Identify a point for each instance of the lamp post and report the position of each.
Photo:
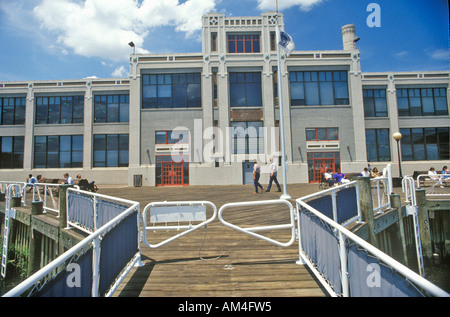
(397, 137)
(131, 44)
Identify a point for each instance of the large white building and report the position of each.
(201, 119)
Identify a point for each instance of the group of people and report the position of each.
(39, 179)
(445, 175)
(273, 176)
(334, 179)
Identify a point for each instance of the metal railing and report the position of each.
(344, 221)
(381, 197)
(94, 241)
(252, 230)
(343, 235)
(178, 211)
(437, 181)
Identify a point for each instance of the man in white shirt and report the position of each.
(273, 175)
(256, 175)
(69, 180)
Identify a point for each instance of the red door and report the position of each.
(319, 162)
(171, 173)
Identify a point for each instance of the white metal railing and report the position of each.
(342, 232)
(95, 215)
(17, 191)
(332, 191)
(48, 191)
(412, 210)
(436, 181)
(381, 197)
(176, 212)
(383, 189)
(252, 230)
(94, 240)
(9, 213)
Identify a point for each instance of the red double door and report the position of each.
(172, 173)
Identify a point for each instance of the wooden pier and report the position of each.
(220, 261)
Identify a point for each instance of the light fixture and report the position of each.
(131, 44)
(397, 137)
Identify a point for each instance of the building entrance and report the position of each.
(319, 162)
(172, 171)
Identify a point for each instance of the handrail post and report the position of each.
(96, 267)
(365, 195)
(62, 212)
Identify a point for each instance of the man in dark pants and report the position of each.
(256, 175)
(273, 175)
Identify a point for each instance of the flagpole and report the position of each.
(285, 195)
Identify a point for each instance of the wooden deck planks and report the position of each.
(219, 261)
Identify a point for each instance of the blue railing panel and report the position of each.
(81, 210)
(322, 247)
(75, 282)
(346, 204)
(370, 278)
(119, 246)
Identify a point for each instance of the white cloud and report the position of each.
(103, 28)
(120, 71)
(304, 5)
(401, 54)
(439, 54)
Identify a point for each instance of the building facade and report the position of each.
(203, 118)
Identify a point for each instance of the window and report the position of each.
(172, 137)
(59, 110)
(322, 134)
(244, 43)
(111, 108)
(55, 151)
(422, 102)
(377, 145)
(248, 137)
(11, 152)
(420, 144)
(171, 90)
(245, 90)
(12, 111)
(111, 150)
(375, 103)
(318, 88)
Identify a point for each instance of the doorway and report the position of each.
(172, 171)
(319, 162)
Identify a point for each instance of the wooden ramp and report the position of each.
(218, 261)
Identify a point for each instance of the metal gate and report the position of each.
(181, 215)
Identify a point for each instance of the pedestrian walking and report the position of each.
(273, 175)
(256, 176)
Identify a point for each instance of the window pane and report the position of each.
(326, 93)
(341, 91)
(312, 93)
(380, 107)
(333, 134)
(113, 109)
(322, 134)
(310, 134)
(161, 137)
(124, 115)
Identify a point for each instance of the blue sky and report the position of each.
(74, 39)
